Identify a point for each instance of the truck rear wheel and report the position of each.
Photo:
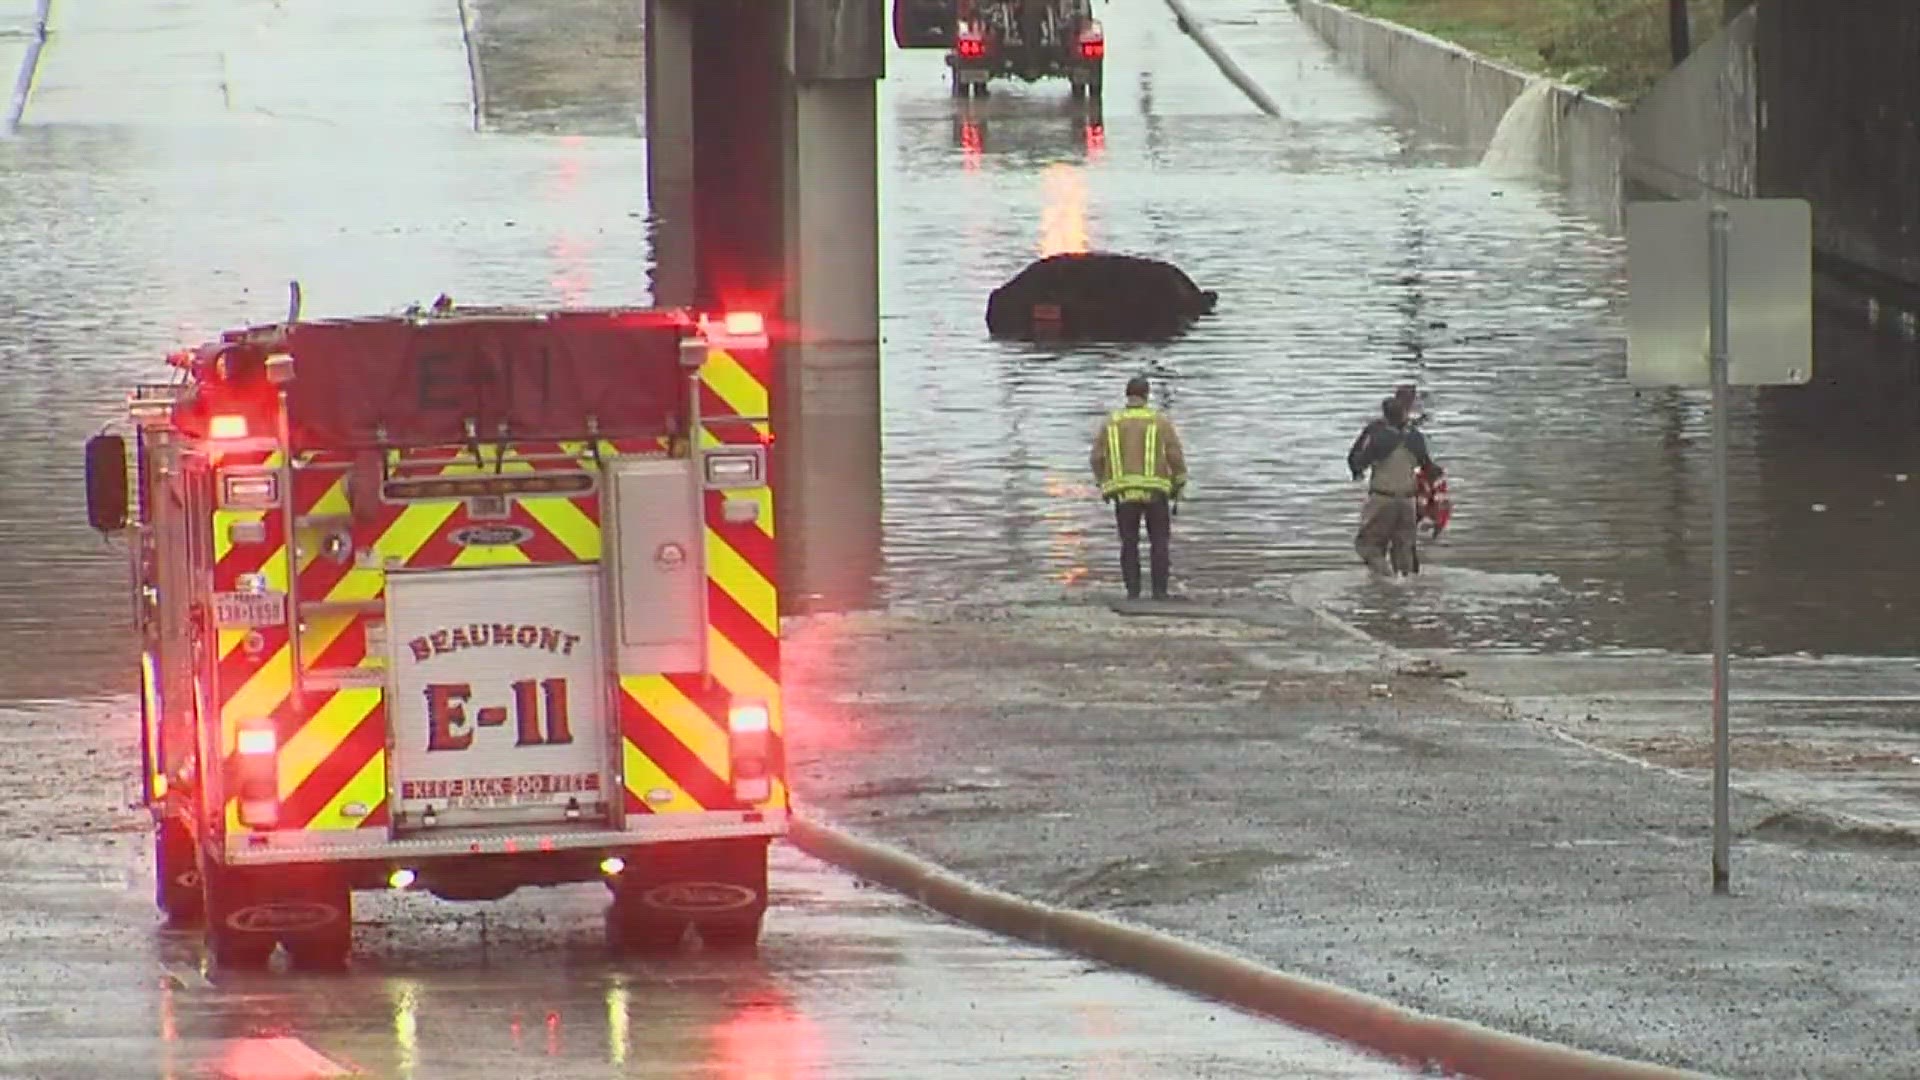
(176, 875)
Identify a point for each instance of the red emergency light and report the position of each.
(227, 426)
(1093, 43)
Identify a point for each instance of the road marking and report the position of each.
(29, 69)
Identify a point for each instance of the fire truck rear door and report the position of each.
(499, 696)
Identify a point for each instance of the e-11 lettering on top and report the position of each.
(481, 372)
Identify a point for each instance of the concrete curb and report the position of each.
(1456, 1046)
(29, 69)
(475, 77)
(1193, 29)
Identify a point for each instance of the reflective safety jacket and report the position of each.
(1137, 455)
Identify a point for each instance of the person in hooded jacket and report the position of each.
(1392, 454)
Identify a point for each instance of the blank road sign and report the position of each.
(1769, 293)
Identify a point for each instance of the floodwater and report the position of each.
(1350, 255)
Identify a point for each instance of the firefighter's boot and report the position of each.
(1162, 570)
(1130, 569)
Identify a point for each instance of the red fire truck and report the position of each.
(460, 600)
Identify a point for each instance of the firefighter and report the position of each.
(1393, 452)
(1141, 469)
(1404, 394)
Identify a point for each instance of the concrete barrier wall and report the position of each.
(1697, 132)
(1842, 126)
(1463, 97)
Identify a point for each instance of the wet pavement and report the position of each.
(1244, 774)
(850, 983)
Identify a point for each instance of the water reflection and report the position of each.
(619, 1020)
(1063, 219)
(764, 1037)
(1020, 132)
(405, 997)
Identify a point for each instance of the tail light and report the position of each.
(750, 751)
(970, 45)
(1093, 43)
(227, 426)
(259, 775)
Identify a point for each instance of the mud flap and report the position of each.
(176, 875)
(716, 888)
(308, 909)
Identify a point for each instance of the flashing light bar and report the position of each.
(467, 487)
(227, 426)
(745, 328)
(612, 865)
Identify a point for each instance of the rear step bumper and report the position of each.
(263, 849)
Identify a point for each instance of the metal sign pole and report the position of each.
(1719, 229)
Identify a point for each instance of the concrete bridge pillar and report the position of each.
(832, 391)
(669, 128)
(763, 178)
